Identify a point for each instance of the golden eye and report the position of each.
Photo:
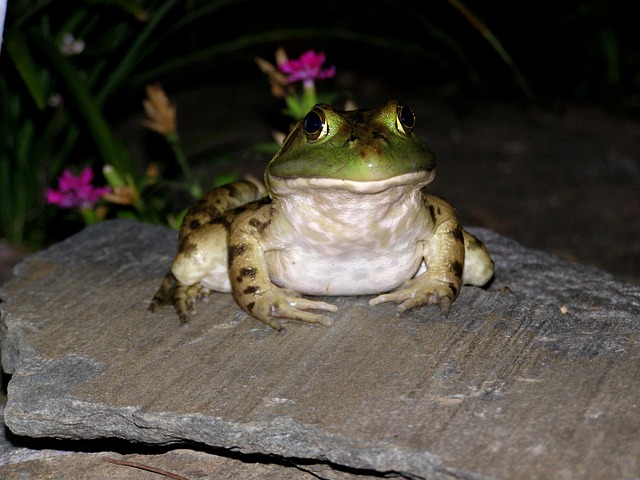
(405, 118)
(315, 124)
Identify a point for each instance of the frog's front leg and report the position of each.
(251, 284)
(444, 255)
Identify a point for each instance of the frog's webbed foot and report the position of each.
(184, 297)
(420, 291)
(278, 303)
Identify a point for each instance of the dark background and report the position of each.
(568, 52)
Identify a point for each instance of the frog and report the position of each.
(343, 212)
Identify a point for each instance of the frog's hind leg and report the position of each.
(183, 297)
(163, 292)
(478, 265)
(200, 265)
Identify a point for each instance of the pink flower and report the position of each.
(76, 191)
(307, 68)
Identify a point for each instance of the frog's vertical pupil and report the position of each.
(406, 116)
(313, 124)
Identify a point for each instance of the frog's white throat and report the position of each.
(348, 209)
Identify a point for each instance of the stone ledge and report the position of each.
(507, 386)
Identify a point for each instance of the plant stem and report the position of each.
(174, 141)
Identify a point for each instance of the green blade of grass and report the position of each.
(133, 55)
(495, 43)
(16, 46)
(108, 147)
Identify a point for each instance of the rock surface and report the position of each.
(539, 379)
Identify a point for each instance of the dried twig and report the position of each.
(140, 466)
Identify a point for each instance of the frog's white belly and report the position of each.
(374, 255)
(319, 272)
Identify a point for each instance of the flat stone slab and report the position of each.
(538, 376)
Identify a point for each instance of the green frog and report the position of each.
(345, 213)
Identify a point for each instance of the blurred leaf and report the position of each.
(107, 145)
(132, 7)
(495, 43)
(16, 46)
(223, 179)
(134, 52)
(24, 139)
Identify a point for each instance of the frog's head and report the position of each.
(358, 150)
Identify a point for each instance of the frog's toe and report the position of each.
(445, 306)
(181, 311)
(184, 300)
(162, 293)
(409, 298)
(394, 297)
(426, 299)
(154, 304)
(417, 301)
(156, 301)
(306, 304)
(296, 311)
(273, 323)
(204, 294)
(324, 320)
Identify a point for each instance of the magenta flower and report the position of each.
(307, 68)
(76, 191)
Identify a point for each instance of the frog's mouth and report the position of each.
(286, 186)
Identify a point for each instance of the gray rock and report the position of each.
(538, 379)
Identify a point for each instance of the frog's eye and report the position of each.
(405, 118)
(315, 124)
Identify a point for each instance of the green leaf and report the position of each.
(224, 178)
(112, 152)
(495, 43)
(24, 141)
(17, 48)
(133, 55)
